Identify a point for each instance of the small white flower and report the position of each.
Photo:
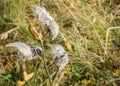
(45, 19)
(61, 57)
(25, 52)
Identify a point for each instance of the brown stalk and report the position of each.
(43, 55)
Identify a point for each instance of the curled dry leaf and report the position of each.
(35, 35)
(68, 46)
(35, 27)
(45, 19)
(27, 77)
(20, 83)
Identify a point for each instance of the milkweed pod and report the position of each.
(25, 51)
(45, 19)
(61, 61)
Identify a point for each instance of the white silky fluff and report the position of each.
(57, 49)
(45, 19)
(61, 55)
(24, 50)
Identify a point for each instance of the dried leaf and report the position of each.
(33, 24)
(68, 46)
(34, 27)
(27, 77)
(20, 83)
(35, 35)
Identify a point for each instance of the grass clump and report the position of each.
(84, 24)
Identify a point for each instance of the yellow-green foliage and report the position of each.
(16, 10)
(84, 25)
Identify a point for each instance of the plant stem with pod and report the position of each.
(43, 55)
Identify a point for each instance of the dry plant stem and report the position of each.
(63, 37)
(43, 56)
(107, 35)
(40, 3)
(48, 78)
(9, 31)
(55, 75)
